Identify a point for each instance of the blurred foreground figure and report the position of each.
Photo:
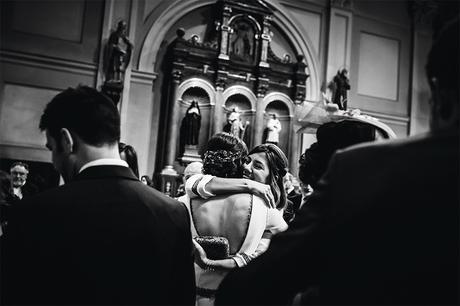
(382, 226)
(103, 237)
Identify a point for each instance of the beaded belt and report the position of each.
(204, 292)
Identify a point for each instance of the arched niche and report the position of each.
(203, 98)
(197, 82)
(242, 105)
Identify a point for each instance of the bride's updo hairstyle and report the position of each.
(278, 164)
(224, 156)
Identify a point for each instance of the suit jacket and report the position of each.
(104, 238)
(381, 228)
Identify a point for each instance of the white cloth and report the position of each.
(195, 186)
(18, 192)
(104, 162)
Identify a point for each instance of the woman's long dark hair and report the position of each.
(278, 164)
(224, 156)
(131, 157)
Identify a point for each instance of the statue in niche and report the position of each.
(273, 130)
(234, 124)
(339, 87)
(118, 55)
(192, 124)
(242, 45)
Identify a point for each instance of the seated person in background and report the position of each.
(242, 218)
(129, 155)
(146, 180)
(21, 189)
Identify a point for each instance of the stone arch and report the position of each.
(242, 90)
(197, 82)
(278, 96)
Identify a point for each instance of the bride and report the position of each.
(241, 218)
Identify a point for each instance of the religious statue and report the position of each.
(339, 87)
(192, 124)
(273, 130)
(119, 50)
(242, 45)
(234, 125)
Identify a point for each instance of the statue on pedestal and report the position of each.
(192, 124)
(273, 130)
(234, 124)
(190, 133)
(119, 50)
(116, 59)
(339, 87)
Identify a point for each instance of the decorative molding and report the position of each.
(19, 151)
(50, 63)
(142, 77)
(343, 4)
(380, 20)
(395, 119)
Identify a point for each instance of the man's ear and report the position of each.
(67, 141)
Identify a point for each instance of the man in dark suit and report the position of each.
(103, 237)
(382, 227)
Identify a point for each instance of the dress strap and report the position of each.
(188, 204)
(256, 228)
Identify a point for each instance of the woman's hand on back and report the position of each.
(262, 190)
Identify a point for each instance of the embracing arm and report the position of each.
(206, 186)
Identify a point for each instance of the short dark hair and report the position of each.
(19, 163)
(84, 111)
(331, 136)
(131, 157)
(278, 164)
(224, 156)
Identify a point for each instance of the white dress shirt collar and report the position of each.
(104, 162)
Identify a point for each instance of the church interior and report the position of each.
(193, 68)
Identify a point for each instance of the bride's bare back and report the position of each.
(226, 216)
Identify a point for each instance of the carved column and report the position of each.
(173, 124)
(300, 80)
(265, 42)
(218, 110)
(260, 110)
(225, 30)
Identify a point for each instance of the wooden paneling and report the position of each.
(380, 65)
(378, 73)
(20, 114)
(60, 29)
